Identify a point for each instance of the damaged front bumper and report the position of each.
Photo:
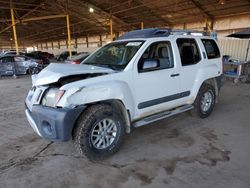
(54, 124)
(51, 123)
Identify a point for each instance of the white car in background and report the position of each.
(144, 76)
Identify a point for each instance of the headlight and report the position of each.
(52, 97)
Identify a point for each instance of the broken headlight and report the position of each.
(52, 97)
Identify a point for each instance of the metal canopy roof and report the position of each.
(126, 15)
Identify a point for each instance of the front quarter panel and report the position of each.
(101, 91)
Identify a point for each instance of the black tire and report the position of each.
(198, 111)
(33, 70)
(82, 134)
(60, 59)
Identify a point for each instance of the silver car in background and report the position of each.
(18, 65)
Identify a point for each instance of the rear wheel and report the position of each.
(205, 101)
(33, 70)
(99, 132)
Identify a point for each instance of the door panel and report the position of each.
(6, 66)
(190, 58)
(156, 90)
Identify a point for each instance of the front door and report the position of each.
(158, 88)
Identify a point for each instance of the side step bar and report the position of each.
(162, 115)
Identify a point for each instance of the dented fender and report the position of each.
(101, 91)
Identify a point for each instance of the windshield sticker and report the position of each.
(133, 44)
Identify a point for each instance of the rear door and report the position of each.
(190, 60)
(21, 64)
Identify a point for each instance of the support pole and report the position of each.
(248, 46)
(68, 31)
(184, 26)
(100, 39)
(87, 41)
(111, 28)
(142, 25)
(14, 26)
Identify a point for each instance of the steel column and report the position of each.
(111, 28)
(14, 26)
(69, 39)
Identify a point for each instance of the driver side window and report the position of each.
(159, 52)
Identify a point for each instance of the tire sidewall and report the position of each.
(86, 135)
(203, 90)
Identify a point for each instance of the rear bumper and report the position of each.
(54, 124)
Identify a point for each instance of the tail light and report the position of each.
(75, 62)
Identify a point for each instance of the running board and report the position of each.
(162, 115)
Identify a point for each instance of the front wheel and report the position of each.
(205, 101)
(99, 132)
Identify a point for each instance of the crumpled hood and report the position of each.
(55, 71)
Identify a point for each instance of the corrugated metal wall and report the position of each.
(236, 48)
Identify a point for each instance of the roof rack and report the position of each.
(188, 32)
(159, 32)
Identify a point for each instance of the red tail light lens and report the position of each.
(75, 62)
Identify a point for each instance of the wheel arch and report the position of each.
(213, 82)
(116, 105)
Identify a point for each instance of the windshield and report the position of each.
(115, 55)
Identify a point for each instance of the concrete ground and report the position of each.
(179, 152)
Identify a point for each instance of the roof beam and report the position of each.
(23, 16)
(108, 14)
(43, 18)
(202, 10)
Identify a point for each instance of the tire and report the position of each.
(90, 141)
(205, 101)
(33, 70)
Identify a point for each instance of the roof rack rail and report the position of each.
(188, 32)
(159, 32)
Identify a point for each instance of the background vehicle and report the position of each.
(144, 76)
(48, 55)
(65, 55)
(18, 64)
(77, 59)
(39, 56)
(10, 52)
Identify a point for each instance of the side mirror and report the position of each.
(150, 64)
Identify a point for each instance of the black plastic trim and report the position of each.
(163, 99)
(61, 120)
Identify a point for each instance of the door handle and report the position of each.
(174, 75)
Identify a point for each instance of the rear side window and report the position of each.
(7, 59)
(19, 58)
(189, 51)
(211, 48)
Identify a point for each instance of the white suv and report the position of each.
(144, 76)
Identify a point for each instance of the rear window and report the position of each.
(211, 48)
